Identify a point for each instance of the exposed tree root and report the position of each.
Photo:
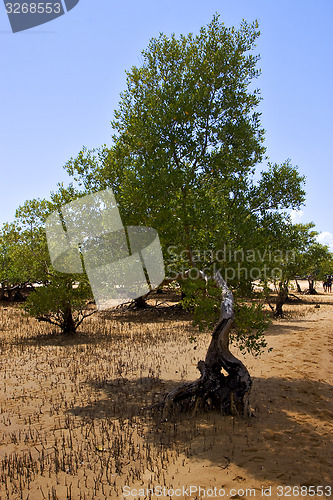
(213, 390)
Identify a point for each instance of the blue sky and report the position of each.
(60, 83)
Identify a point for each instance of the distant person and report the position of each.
(327, 284)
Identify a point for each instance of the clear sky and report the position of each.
(60, 82)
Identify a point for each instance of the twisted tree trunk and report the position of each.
(228, 394)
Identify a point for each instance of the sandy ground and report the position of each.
(73, 424)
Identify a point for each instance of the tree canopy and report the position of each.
(186, 148)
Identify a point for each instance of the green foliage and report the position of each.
(186, 130)
(251, 322)
(24, 254)
(62, 302)
(280, 187)
(202, 304)
(317, 262)
(50, 298)
(306, 257)
(250, 326)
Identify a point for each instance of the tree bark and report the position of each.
(311, 290)
(298, 286)
(140, 302)
(229, 394)
(281, 299)
(68, 323)
(14, 293)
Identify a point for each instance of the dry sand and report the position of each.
(73, 424)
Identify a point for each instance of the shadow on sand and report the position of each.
(288, 438)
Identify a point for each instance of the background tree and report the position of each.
(317, 264)
(24, 254)
(61, 299)
(291, 244)
(61, 302)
